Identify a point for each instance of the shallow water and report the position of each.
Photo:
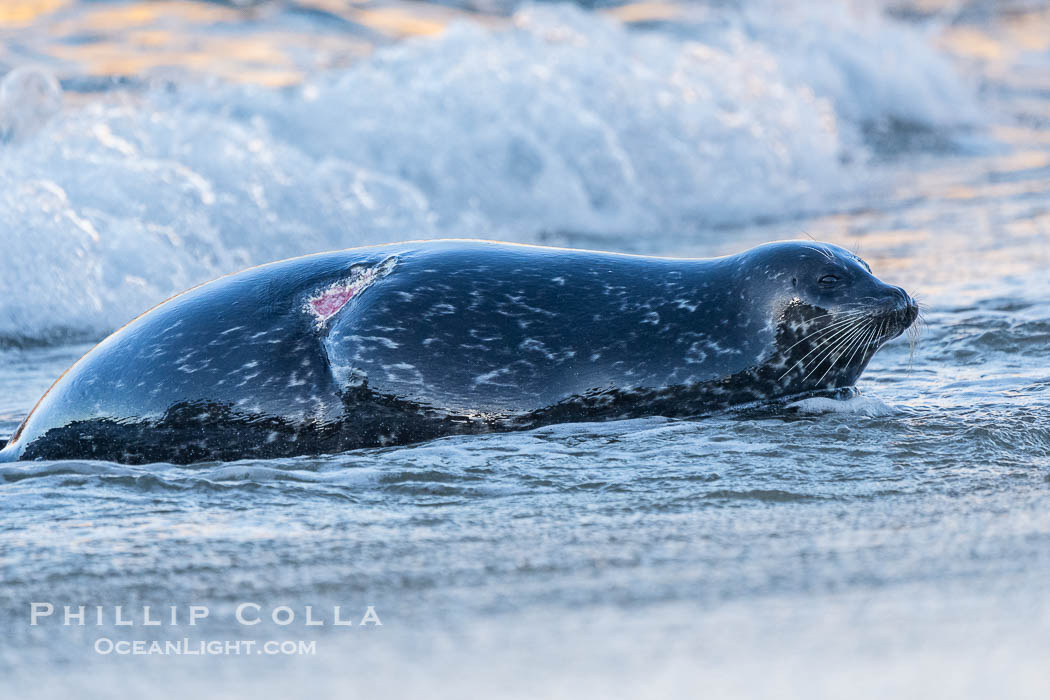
(897, 543)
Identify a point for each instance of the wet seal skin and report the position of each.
(401, 343)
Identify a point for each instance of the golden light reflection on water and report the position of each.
(645, 12)
(240, 44)
(1002, 46)
(1028, 31)
(398, 22)
(117, 18)
(997, 190)
(254, 45)
(261, 58)
(20, 13)
(975, 43)
(1013, 134)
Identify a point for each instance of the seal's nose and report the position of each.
(900, 307)
(908, 308)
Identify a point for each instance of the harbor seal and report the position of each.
(402, 343)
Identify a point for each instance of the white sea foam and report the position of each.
(868, 406)
(562, 121)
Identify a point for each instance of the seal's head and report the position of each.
(831, 313)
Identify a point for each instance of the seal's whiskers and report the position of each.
(825, 342)
(857, 340)
(852, 316)
(845, 329)
(861, 345)
(825, 356)
(914, 333)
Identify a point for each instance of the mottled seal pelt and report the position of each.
(401, 343)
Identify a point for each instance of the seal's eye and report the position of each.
(829, 280)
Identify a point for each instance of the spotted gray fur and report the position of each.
(395, 344)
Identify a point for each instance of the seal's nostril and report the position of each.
(896, 297)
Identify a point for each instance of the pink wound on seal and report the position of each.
(330, 301)
(327, 302)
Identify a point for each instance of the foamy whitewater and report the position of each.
(895, 544)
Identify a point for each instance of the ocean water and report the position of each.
(894, 544)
